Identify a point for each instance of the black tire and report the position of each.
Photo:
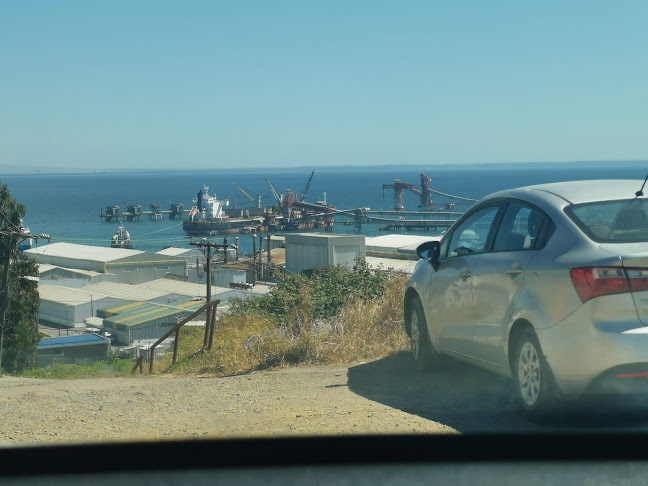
(535, 385)
(421, 348)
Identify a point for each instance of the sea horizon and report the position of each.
(9, 169)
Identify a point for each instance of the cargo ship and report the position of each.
(208, 217)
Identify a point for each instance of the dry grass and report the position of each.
(361, 332)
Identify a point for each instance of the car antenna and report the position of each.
(640, 191)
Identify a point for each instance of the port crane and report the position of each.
(275, 193)
(251, 199)
(308, 184)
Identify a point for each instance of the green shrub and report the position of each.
(321, 296)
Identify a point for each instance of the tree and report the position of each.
(19, 301)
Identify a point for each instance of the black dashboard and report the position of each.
(352, 460)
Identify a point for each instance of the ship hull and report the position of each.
(205, 227)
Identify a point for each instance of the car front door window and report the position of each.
(471, 235)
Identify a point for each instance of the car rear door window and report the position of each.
(521, 228)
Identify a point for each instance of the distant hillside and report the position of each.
(12, 169)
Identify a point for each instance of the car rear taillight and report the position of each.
(593, 282)
(638, 278)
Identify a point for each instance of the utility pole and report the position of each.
(205, 247)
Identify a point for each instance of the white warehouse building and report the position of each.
(128, 266)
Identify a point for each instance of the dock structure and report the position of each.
(113, 214)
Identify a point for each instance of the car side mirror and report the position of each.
(430, 251)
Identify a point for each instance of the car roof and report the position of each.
(577, 192)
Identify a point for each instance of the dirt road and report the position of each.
(385, 396)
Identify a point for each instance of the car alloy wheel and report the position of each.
(420, 345)
(529, 374)
(534, 379)
(415, 336)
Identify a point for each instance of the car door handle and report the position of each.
(514, 271)
(466, 274)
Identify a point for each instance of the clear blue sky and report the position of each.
(293, 83)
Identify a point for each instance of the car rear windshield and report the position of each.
(622, 221)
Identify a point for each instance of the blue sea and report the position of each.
(68, 206)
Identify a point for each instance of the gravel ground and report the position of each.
(384, 396)
(283, 402)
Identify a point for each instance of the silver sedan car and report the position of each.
(546, 284)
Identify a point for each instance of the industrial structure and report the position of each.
(293, 213)
(424, 191)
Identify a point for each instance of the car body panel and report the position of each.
(497, 283)
(599, 335)
(452, 297)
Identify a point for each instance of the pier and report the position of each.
(113, 214)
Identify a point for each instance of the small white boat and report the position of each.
(121, 239)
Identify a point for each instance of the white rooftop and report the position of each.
(177, 252)
(83, 252)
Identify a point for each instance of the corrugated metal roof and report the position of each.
(125, 291)
(47, 267)
(65, 295)
(115, 309)
(150, 312)
(83, 252)
(65, 341)
(189, 289)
